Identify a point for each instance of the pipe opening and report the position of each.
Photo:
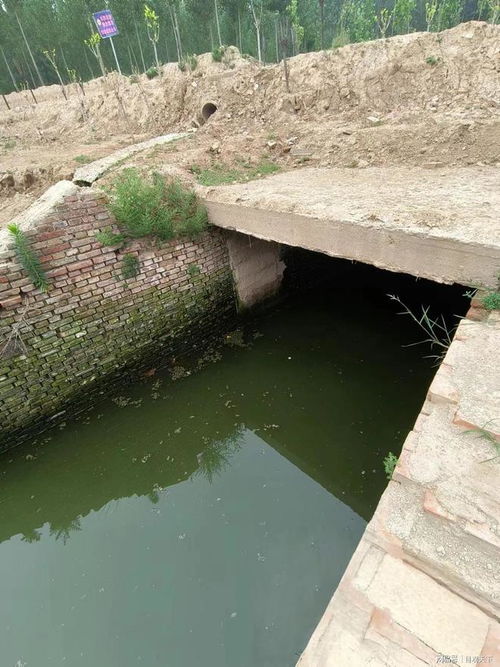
(208, 110)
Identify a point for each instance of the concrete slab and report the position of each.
(442, 224)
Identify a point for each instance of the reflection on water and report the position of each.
(207, 520)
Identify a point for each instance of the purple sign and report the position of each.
(105, 23)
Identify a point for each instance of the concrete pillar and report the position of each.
(256, 266)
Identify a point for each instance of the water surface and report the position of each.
(207, 521)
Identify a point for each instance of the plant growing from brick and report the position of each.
(155, 208)
(108, 238)
(436, 330)
(491, 301)
(390, 463)
(130, 266)
(28, 258)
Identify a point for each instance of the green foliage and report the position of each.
(218, 54)
(28, 259)
(340, 40)
(220, 174)
(163, 211)
(61, 30)
(491, 301)
(82, 159)
(130, 266)
(358, 20)
(193, 270)
(190, 62)
(152, 23)
(390, 463)
(402, 15)
(108, 238)
(437, 334)
(432, 60)
(152, 72)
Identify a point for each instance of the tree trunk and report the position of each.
(29, 51)
(29, 70)
(65, 63)
(277, 40)
(9, 70)
(257, 22)
(140, 47)
(157, 60)
(322, 27)
(92, 75)
(173, 18)
(217, 22)
(239, 31)
(178, 31)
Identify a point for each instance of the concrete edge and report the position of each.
(90, 173)
(438, 258)
(40, 209)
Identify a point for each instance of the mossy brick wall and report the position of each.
(91, 323)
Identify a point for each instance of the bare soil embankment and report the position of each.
(424, 99)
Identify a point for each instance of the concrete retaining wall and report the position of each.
(257, 268)
(91, 323)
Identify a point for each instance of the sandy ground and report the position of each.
(425, 99)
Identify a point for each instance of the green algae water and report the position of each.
(208, 520)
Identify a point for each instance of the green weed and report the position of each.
(130, 266)
(221, 174)
(152, 72)
(485, 434)
(28, 259)
(155, 208)
(108, 238)
(189, 62)
(432, 60)
(491, 301)
(390, 463)
(218, 54)
(83, 159)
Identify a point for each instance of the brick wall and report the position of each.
(91, 323)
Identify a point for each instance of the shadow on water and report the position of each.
(273, 452)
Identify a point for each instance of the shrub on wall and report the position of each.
(28, 258)
(155, 208)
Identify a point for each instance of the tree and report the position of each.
(402, 16)
(257, 9)
(94, 45)
(322, 24)
(217, 22)
(153, 28)
(383, 18)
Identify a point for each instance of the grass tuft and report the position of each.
(221, 174)
(155, 208)
(28, 259)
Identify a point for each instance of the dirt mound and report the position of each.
(412, 99)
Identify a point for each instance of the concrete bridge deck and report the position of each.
(439, 223)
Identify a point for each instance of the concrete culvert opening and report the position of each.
(208, 110)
